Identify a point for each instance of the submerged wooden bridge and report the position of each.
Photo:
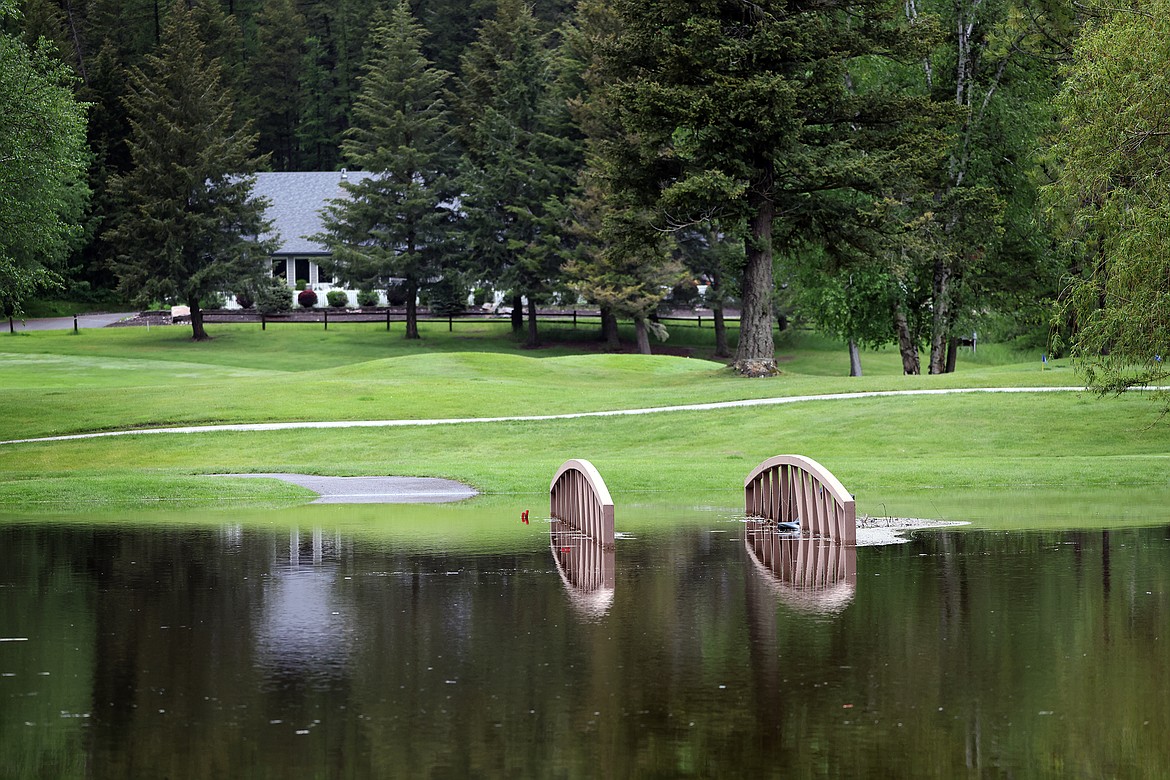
(798, 492)
(579, 498)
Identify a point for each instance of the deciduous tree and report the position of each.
(1114, 149)
(42, 167)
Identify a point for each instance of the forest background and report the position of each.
(887, 173)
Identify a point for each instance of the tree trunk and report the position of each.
(940, 324)
(412, 309)
(643, 336)
(533, 335)
(755, 355)
(854, 359)
(197, 331)
(721, 348)
(906, 345)
(517, 313)
(952, 354)
(609, 330)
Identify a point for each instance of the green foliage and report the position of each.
(42, 169)
(367, 298)
(272, 296)
(514, 171)
(338, 299)
(397, 222)
(1114, 194)
(447, 296)
(275, 81)
(189, 221)
(743, 114)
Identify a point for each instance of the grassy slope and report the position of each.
(919, 455)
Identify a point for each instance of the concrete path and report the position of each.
(289, 426)
(66, 323)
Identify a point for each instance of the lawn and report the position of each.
(924, 455)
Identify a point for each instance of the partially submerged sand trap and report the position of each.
(375, 490)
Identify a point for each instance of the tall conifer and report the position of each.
(188, 222)
(397, 222)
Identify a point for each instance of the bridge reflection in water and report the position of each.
(586, 567)
(809, 574)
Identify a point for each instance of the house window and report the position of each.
(323, 276)
(301, 270)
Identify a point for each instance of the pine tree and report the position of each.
(514, 178)
(396, 222)
(188, 222)
(275, 81)
(736, 111)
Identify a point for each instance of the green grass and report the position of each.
(913, 455)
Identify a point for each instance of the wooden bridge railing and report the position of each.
(793, 488)
(578, 496)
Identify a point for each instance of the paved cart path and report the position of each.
(290, 426)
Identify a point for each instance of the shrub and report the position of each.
(338, 299)
(307, 298)
(447, 296)
(273, 297)
(367, 298)
(213, 302)
(245, 299)
(301, 284)
(483, 295)
(396, 294)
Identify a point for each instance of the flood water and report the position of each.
(698, 648)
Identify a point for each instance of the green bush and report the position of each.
(213, 302)
(301, 284)
(396, 294)
(273, 297)
(447, 296)
(338, 299)
(367, 298)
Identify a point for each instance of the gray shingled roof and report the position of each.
(296, 200)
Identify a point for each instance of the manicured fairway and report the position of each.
(907, 450)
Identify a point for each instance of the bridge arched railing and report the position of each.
(578, 497)
(796, 489)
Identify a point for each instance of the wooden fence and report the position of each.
(578, 497)
(796, 489)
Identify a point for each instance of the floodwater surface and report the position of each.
(699, 646)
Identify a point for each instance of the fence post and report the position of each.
(574, 319)
(326, 319)
(387, 319)
(450, 326)
(700, 318)
(263, 322)
(75, 331)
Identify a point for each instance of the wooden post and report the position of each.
(263, 322)
(326, 319)
(75, 331)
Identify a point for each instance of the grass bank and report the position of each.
(907, 455)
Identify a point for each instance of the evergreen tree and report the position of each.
(42, 173)
(514, 179)
(736, 111)
(188, 222)
(397, 222)
(281, 35)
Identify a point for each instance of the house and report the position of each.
(295, 202)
